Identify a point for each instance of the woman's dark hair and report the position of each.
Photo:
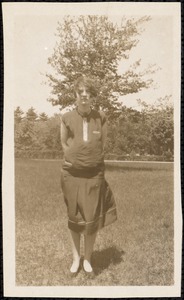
(87, 82)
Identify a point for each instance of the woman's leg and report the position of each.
(75, 242)
(89, 241)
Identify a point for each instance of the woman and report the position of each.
(89, 200)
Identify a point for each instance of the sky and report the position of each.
(34, 41)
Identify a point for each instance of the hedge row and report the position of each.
(37, 154)
(49, 154)
(139, 157)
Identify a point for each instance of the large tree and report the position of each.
(95, 46)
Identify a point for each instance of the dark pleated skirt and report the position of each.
(89, 200)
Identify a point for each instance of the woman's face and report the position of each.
(83, 97)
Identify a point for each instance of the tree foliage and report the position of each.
(149, 131)
(18, 115)
(94, 46)
(31, 115)
(160, 120)
(43, 116)
(36, 133)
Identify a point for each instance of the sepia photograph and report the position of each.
(91, 150)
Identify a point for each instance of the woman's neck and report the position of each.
(84, 111)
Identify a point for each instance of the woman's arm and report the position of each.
(64, 136)
(104, 134)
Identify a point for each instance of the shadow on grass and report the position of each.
(102, 259)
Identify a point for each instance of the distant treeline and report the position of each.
(135, 135)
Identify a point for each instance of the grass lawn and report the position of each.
(138, 249)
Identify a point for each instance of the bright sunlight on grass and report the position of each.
(138, 249)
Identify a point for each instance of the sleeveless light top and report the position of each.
(84, 139)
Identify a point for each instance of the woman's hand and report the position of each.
(68, 163)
